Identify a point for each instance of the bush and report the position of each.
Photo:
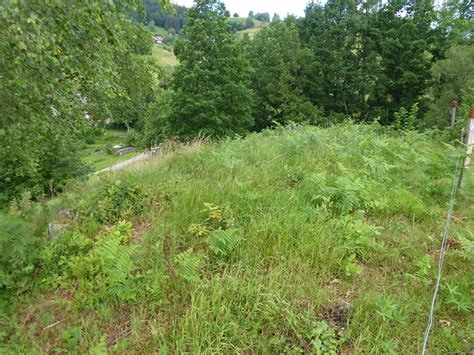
(91, 133)
(156, 123)
(95, 269)
(236, 26)
(18, 255)
(132, 139)
(115, 200)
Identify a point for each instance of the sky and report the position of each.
(242, 7)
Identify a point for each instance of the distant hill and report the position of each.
(153, 13)
(239, 25)
(244, 20)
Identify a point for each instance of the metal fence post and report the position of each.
(454, 106)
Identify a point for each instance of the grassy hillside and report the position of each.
(244, 20)
(164, 56)
(296, 240)
(251, 31)
(160, 31)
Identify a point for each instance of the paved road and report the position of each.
(125, 163)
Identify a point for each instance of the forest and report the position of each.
(296, 203)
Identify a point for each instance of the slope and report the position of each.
(295, 240)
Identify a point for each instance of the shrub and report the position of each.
(132, 139)
(97, 270)
(18, 255)
(115, 200)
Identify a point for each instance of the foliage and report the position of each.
(156, 121)
(162, 15)
(115, 200)
(222, 242)
(453, 80)
(236, 26)
(389, 311)
(456, 16)
(188, 266)
(99, 270)
(262, 16)
(239, 245)
(18, 255)
(456, 299)
(370, 60)
(68, 67)
(279, 65)
(468, 247)
(405, 120)
(323, 339)
(210, 84)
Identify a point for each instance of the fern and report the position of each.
(222, 242)
(376, 165)
(100, 348)
(188, 266)
(467, 246)
(19, 253)
(116, 266)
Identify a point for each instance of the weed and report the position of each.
(352, 268)
(188, 266)
(323, 339)
(222, 242)
(19, 255)
(115, 200)
(389, 311)
(454, 298)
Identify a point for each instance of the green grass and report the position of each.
(257, 23)
(250, 245)
(160, 31)
(250, 31)
(96, 156)
(164, 56)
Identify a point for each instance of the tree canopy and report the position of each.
(68, 65)
(210, 87)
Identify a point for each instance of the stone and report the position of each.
(55, 230)
(124, 151)
(68, 213)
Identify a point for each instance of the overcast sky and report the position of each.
(242, 7)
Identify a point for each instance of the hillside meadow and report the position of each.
(300, 239)
(164, 56)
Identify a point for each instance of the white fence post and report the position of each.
(470, 138)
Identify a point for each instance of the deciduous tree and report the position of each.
(211, 83)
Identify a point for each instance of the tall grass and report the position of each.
(294, 240)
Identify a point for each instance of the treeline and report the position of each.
(260, 16)
(162, 16)
(72, 68)
(393, 62)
